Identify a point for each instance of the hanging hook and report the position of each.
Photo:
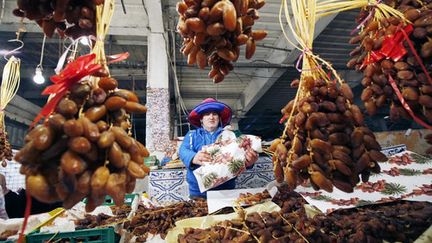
(16, 49)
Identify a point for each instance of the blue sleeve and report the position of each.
(186, 153)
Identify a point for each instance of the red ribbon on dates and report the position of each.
(71, 74)
(27, 212)
(392, 47)
(405, 104)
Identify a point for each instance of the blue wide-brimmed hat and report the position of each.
(210, 105)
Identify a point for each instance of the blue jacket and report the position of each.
(192, 144)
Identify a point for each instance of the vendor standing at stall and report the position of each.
(209, 117)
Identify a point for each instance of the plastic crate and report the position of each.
(103, 235)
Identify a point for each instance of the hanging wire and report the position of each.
(16, 49)
(176, 81)
(123, 6)
(42, 54)
(175, 67)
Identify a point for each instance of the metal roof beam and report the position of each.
(258, 86)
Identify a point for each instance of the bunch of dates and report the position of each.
(70, 17)
(161, 219)
(406, 71)
(325, 140)
(214, 30)
(401, 221)
(274, 227)
(5, 148)
(83, 149)
(91, 221)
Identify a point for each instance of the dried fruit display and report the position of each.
(401, 221)
(5, 148)
(325, 139)
(160, 219)
(214, 30)
(252, 199)
(71, 18)
(83, 148)
(395, 57)
(7, 233)
(93, 221)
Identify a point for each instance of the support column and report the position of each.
(157, 118)
(158, 114)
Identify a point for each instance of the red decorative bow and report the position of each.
(392, 47)
(71, 74)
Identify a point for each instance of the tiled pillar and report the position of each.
(158, 115)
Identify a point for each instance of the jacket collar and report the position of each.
(202, 131)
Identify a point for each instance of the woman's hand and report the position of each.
(251, 157)
(201, 157)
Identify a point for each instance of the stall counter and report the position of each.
(170, 185)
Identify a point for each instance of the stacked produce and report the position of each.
(5, 148)
(72, 18)
(214, 30)
(160, 219)
(256, 227)
(83, 149)
(401, 221)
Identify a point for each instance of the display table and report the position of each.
(170, 185)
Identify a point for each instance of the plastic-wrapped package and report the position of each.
(228, 159)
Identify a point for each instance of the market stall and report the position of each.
(169, 185)
(325, 176)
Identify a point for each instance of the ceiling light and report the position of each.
(38, 78)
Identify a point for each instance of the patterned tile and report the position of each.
(157, 119)
(168, 186)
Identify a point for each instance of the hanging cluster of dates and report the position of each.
(325, 139)
(404, 68)
(5, 148)
(214, 30)
(83, 149)
(69, 17)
